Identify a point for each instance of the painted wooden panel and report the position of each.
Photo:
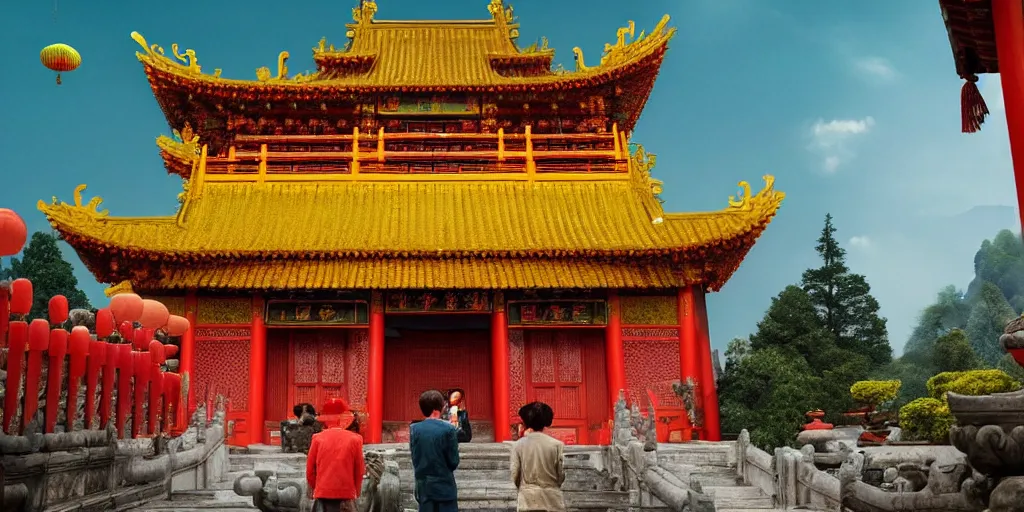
(650, 359)
(317, 364)
(595, 370)
(556, 375)
(421, 360)
(276, 405)
(222, 365)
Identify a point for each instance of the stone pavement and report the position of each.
(485, 484)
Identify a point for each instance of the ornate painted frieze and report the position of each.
(558, 312)
(337, 312)
(431, 301)
(224, 311)
(649, 310)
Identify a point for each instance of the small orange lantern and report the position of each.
(60, 58)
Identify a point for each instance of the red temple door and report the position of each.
(317, 360)
(554, 363)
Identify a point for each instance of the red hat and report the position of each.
(336, 413)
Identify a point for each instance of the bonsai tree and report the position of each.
(872, 394)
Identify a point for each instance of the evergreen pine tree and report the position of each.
(989, 315)
(42, 263)
(844, 302)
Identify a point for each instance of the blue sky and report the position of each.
(853, 106)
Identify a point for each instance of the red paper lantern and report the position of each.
(154, 314)
(127, 331)
(80, 338)
(58, 309)
(104, 323)
(21, 296)
(156, 352)
(170, 351)
(38, 335)
(13, 232)
(126, 307)
(177, 325)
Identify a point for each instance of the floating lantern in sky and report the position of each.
(60, 58)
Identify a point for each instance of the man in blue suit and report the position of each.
(435, 457)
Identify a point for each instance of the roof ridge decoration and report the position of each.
(188, 60)
(623, 50)
(505, 19)
(77, 213)
(755, 205)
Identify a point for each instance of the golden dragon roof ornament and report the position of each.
(627, 46)
(504, 17)
(363, 15)
(767, 198)
(185, 60)
(77, 213)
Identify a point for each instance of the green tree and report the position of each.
(950, 311)
(768, 392)
(1000, 261)
(791, 324)
(953, 353)
(42, 263)
(989, 316)
(844, 302)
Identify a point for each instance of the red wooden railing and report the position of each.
(126, 366)
(422, 153)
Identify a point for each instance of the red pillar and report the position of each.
(1008, 18)
(375, 371)
(709, 390)
(257, 372)
(499, 369)
(689, 349)
(187, 363)
(615, 358)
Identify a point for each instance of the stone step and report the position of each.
(221, 500)
(739, 497)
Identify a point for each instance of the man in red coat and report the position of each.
(335, 466)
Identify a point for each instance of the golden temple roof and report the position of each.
(427, 54)
(468, 273)
(414, 219)
(411, 56)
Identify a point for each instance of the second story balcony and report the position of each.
(377, 155)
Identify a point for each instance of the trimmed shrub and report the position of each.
(926, 419)
(875, 392)
(972, 383)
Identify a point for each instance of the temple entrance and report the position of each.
(305, 366)
(436, 352)
(566, 369)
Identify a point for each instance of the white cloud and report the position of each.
(860, 242)
(876, 69)
(832, 140)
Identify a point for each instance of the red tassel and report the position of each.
(972, 106)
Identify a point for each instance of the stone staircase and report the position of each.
(712, 470)
(485, 484)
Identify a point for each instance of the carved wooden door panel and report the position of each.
(554, 363)
(318, 366)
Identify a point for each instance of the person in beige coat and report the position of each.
(536, 462)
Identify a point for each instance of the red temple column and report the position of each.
(709, 390)
(615, 353)
(689, 349)
(1008, 19)
(257, 372)
(499, 369)
(375, 371)
(187, 362)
